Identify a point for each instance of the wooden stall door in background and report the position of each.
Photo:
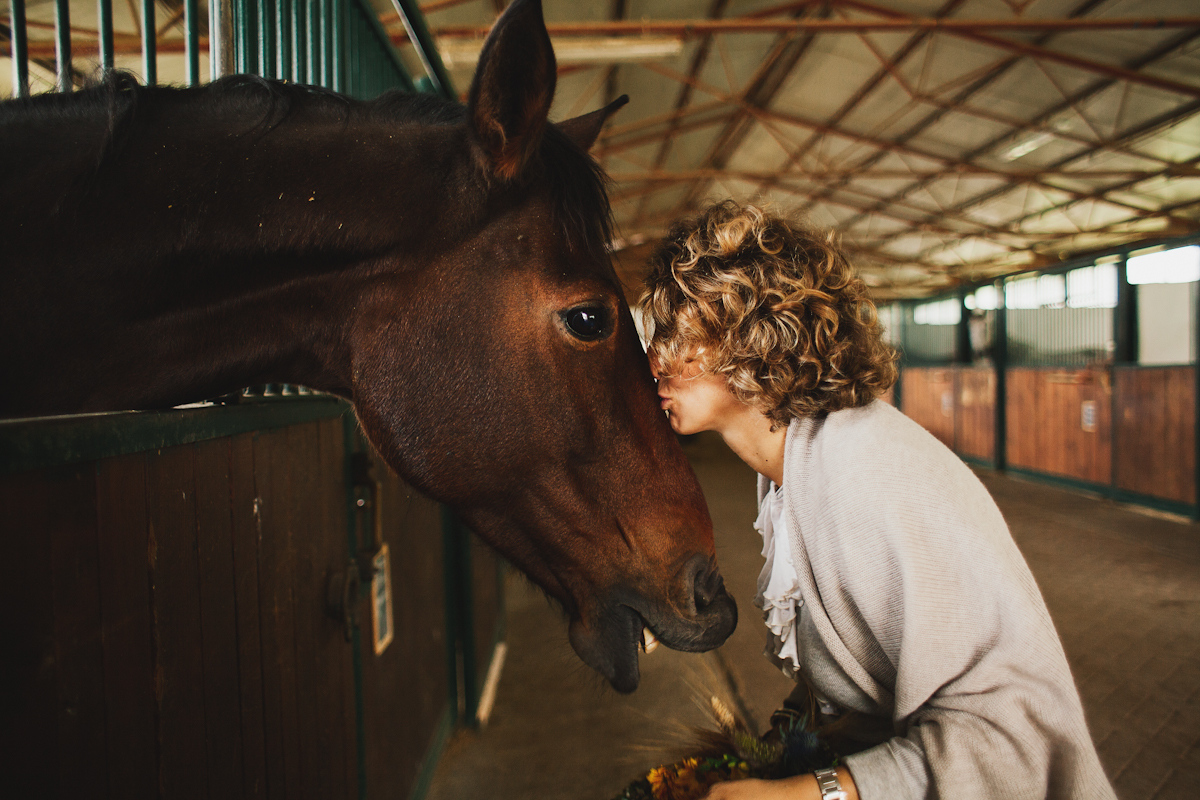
(1059, 422)
(975, 413)
(1155, 432)
(928, 397)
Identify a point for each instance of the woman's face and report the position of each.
(695, 400)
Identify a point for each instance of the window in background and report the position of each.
(1166, 283)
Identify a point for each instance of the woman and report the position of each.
(892, 586)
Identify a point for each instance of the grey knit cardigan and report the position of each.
(919, 609)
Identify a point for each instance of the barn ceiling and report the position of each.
(947, 141)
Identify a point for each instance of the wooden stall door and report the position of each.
(1155, 432)
(975, 415)
(1059, 423)
(928, 397)
(166, 625)
(407, 689)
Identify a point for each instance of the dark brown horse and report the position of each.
(444, 268)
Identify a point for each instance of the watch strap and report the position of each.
(828, 783)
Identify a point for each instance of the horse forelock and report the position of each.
(579, 191)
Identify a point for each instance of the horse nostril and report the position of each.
(707, 584)
(709, 590)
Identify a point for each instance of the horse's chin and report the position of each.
(611, 644)
(611, 647)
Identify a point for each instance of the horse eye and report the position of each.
(586, 322)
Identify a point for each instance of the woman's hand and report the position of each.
(801, 787)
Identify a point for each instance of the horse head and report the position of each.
(521, 396)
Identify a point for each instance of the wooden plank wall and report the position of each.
(1046, 422)
(406, 688)
(1149, 450)
(975, 413)
(928, 397)
(1155, 431)
(167, 633)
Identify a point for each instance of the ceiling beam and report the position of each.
(1036, 51)
(688, 28)
(882, 146)
(994, 75)
(684, 96)
(902, 54)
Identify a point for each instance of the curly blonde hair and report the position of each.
(772, 306)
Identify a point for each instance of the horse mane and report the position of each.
(577, 184)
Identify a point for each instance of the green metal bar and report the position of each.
(104, 23)
(219, 29)
(418, 34)
(20, 48)
(241, 35)
(191, 52)
(263, 13)
(323, 43)
(299, 25)
(337, 51)
(62, 43)
(313, 72)
(283, 60)
(149, 44)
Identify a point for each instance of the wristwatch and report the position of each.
(827, 782)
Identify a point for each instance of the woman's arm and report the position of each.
(801, 787)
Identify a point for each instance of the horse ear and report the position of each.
(513, 87)
(584, 130)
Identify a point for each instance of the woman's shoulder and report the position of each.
(869, 450)
(868, 432)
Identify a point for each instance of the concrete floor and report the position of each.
(1123, 587)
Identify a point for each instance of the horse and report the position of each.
(443, 267)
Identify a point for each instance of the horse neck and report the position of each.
(217, 257)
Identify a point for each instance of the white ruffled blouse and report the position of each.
(778, 587)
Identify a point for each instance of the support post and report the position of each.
(1000, 362)
(962, 332)
(1125, 322)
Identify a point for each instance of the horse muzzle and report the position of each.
(611, 640)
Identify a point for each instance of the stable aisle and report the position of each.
(1122, 586)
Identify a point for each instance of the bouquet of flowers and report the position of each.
(730, 753)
